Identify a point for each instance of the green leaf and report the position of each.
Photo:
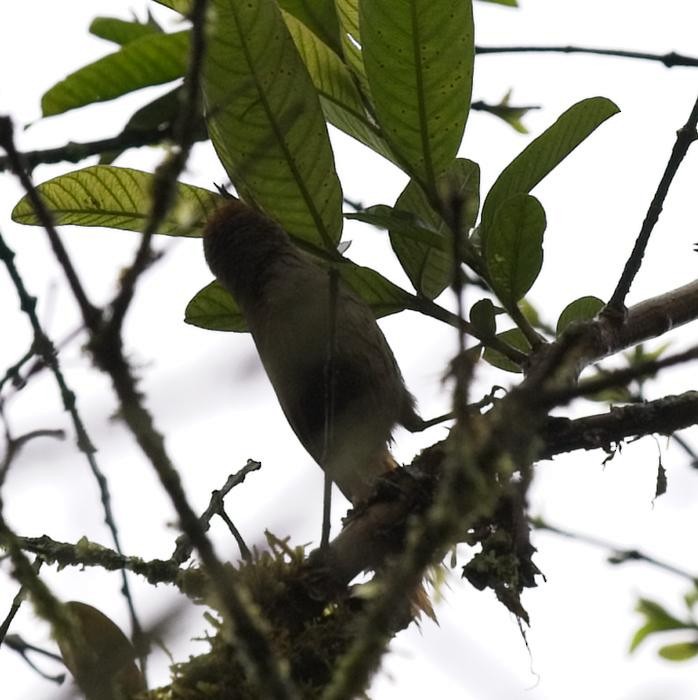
(158, 114)
(658, 616)
(546, 152)
(181, 6)
(513, 249)
(348, 16)
(104, 195)
(405, 223)
(582, 309)
(516, 339)
(483, 317)
(121, 31)
(430, 265)
(213, 308)
(640, 635)
(681, 651)
(265, 121)
(508, 3)
(511, 115)
(340, 99)
(418, 57)
(319, 16)
(150, 60)
(379, 293)
(616, 394)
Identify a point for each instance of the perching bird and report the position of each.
(285, 297)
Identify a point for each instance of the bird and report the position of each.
(304, 324)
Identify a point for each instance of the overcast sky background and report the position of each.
(213, 403)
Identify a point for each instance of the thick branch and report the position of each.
(664, 416)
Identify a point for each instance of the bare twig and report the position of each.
(619, 555)
(329, 401)
(15, 444)
(12, 372)
(16, 604)
(45, 348)
(45, 603)
(91, 315)
(183, 547)
(74, 152)
(16, 643)
(685, 136)
(616, 378)
(670, 59)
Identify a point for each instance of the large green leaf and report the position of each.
(151, 60)
(419, 56)
(215, 309)
(320, 16)
(104, 195)
(340, 98)
(513, 249)
(545, 152)
(265, 120)
(429, 266)
(121, 31)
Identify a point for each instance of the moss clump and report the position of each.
(306, 635)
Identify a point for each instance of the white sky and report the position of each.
(216, 409)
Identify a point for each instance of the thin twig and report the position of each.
(74, 152)
(16, 604)
(38, 363)
(688, 449)
(45, 348)
(619, 555)
(617, 378)
(12, 372)
(183, 547)
(329, 399)
(245, 552)
(91, 315)
(46, 605)
(670, 59)
(685, 136)
(15, 444)
(16, 643)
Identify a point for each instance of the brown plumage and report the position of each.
(284, 295)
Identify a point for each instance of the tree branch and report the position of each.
(685, 136)
(74, 152)
(668, 59)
